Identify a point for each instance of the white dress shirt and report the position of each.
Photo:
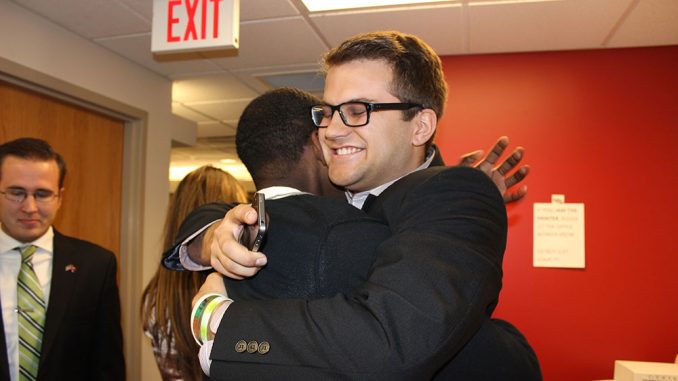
(10, 264)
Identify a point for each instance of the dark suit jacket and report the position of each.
(83, 337)
(497, 350)
(316, 247)
(433, 284)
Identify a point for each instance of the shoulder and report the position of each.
(77, 245)
(449, 176)
(437, 193)
(323, 213)
(326, 207)
(446, 182)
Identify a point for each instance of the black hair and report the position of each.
(273, 130)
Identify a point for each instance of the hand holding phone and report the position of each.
(253, 235)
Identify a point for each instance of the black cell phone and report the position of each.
(258, 230)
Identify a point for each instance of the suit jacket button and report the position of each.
(252, 346)
(240, 346)
(264, 347)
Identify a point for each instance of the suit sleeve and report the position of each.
(433, 283)
(108, 358)
(194, 222)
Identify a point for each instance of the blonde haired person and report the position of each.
(166, 301)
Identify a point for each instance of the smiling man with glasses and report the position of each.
(60, 303)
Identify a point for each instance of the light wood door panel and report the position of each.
(92, 146)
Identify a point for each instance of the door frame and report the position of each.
(133, 174)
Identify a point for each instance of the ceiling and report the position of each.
(281, 44)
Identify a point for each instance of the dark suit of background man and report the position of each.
(82, 337)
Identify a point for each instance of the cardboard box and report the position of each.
(645, 371)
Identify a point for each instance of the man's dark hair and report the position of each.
(273, 130)
(33, 149)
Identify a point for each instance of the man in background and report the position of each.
(60, 301)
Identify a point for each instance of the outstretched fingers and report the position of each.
(487, 164)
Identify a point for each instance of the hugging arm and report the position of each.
(433, 283)
(197, 221)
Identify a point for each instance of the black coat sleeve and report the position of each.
(433, 283)
(195, 221)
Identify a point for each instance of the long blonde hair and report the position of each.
(166, 301)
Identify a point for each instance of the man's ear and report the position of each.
(61, 196)
(426, 122)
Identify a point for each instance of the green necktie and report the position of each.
(31, 316)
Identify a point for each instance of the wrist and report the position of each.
(207, 241)
(202, 316)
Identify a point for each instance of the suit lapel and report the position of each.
(374, 205)
(368, 202)
(61, 290)
(386, 207)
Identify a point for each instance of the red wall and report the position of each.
(599, 127)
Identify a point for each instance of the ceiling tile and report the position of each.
(274, 43)
(336, 27)
(186, 112)
(253, 76)
(143, 7)
(266, 9)
(92, 18)
(652, 22)
(211, 151)
(226, 110)
(138, 49)
(212, 129)
(211, 88)
(545, 25)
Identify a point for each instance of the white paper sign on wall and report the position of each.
(559, 234)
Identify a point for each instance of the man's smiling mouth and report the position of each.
(347, 150)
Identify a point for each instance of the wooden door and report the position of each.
(92, 146)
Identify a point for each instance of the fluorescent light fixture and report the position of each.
(330, 5)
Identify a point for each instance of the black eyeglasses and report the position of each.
(19, 195)
(354, 114)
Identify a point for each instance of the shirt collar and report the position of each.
(44, 242)
(276, 192)
(358, 199)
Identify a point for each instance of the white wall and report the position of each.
(32, 47)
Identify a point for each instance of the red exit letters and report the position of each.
(192, 10)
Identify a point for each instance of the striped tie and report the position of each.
(31, 313)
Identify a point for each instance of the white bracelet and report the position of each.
(201, 313)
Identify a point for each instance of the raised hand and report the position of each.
(503, 174)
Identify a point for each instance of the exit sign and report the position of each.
(181, 26)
